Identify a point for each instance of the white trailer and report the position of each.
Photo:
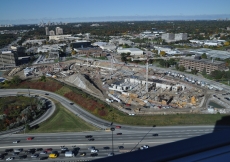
(69, 154)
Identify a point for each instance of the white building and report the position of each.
(47, 30)
(105, 46)
(132, 51)
(59, 31)
(38, 41)
(58, 37)
(121, 41)
(181, 36)
(51, 33)
(168, 37)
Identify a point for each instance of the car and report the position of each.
(142, 148)
(30, 138)
(46, 93)
(106, 148)
(111, 154)
(39, 149)
(64, 149)
(91, 148)
(146, 146)
(91, 139)
(93, 154)
(34, 155)
(128, 109)
(16, 141)
(88, 136)
(118, 127)
(20, 149)
(2, 157)
(132, 114)
(120, 147)
(48, 149)
(95, 150)
(119, 133)
(8, 150)
(43, 158)
(23, 157)
(52, 155)
(43, 152)
(155, 134)
(15, 153)
(10, 158)
(71, 103)
(82, 154)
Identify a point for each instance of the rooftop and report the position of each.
(206, 61)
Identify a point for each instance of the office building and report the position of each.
(168, 37)
(81, 44)
(8, 59)
(51, 33)
(132, 51)
(47, 30)
(199, 64)
(59, 31)
(181, 36)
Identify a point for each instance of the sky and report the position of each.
(26, 11)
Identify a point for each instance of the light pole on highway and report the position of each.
(112, 129)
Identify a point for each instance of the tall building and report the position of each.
(181, 36)
(51, 32)
(168, 37)
(59, 31)
(47, 30)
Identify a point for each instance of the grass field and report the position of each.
(63, 120)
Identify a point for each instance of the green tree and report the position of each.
(204, 73)
(204, 56)
(16, 80)
(43, 78)
(181, 68)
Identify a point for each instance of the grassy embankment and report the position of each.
(62, 120)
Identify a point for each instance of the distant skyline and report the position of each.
(34, 11)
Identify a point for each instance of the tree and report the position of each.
(181, 68)
(43, 78)
(194, 71)
(204, 73)
(162, 53)
(16, 80)
(204, 56)
(73, 52)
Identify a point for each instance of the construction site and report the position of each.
(131, 89)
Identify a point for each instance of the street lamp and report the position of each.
(112, 129)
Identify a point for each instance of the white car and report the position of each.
(16, 141)
(64, 149)
(131, 114)
(142, 148)
(146, 146)
(95, 150)
(34, 155)
(43, 152)
(10, 158)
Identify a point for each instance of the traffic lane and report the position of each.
(98, 139)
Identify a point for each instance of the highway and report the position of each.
(129, 140)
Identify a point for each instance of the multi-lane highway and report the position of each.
(130, 140)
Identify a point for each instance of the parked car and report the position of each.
(23, 157)
(43, 152)
(119, 133)
(118, 127)
(43, 158)
(39, 149)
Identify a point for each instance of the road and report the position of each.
(129, 140)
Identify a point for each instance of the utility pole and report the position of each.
(147, 73)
